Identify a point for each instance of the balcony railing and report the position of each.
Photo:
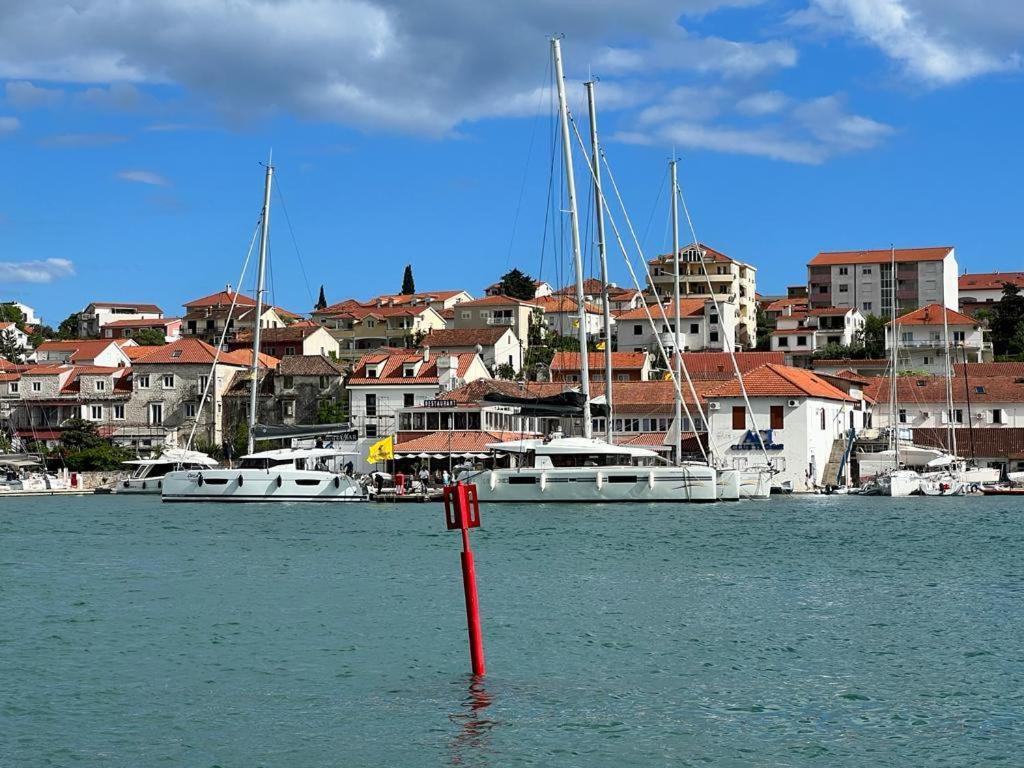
(501, 321)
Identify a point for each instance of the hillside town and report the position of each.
(423, 367)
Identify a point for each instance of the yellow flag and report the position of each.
(600, 346)
(667, 376)
(382, 450)
(575, 323)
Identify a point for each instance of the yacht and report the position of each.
(23, 474)
(149, 473)
(577, 469)
(285, 474)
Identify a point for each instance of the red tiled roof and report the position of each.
(932, 315)
(932, 389)
(137, 352)
(222, 298)
(148, 309)
(976, 370)
(716, 256)
(882, 256)
(474, 391)
(394, 362)
(819, 311)
(193, 351)
(591, 287)
(463, 337)
(497, 301)
(154, 322)
(408, 298)
(309, 365)
(780, 304)
(10, 376)
(455, 441)
(293, 332)
(81, 349)
(990, 281)
(717, 365)
(1003, 442)
(244, 357)
(556, 304)
(774, 380)
(570, 361)
(687, 308)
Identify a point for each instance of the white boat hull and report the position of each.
(899, 483)
(688, 483)
(755, 483)
(149, 485)
(251, 485)
(728, 484)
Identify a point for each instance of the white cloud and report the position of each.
(9, 124)
(43, 271)
(809, 132)
(22, 94)
(144, 177)
(399, 65)
(937, 41)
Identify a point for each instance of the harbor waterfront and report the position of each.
(793, 631)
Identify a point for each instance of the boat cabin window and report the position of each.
(265, 463)
(591, 459)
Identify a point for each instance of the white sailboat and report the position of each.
(286, 474)
(586, 469)
(148, 474)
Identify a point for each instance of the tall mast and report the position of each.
(678, 369)
(893, 390)
(595, 161)
(261, 275)
(949, 380)
(577, 257)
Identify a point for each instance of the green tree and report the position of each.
(1006, 322)
(68, 328)
(331, 412)
(98, 458)
(79, 435)
(517, 285)
(408, 284)
(506, 371)
(764, 330)
(40, 333)
(10, 350)
(150, 337)
(11, 314)
(873, 337)
(321, 302)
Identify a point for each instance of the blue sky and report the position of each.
(403, 132)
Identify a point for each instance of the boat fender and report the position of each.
(543, 481)
(159, 483)
(199, 481)
(143, 485)
(650, 479)
(600, 480)
(240, 480)
(278, 481)
(492, 481)
(337, 482)
(125, 483)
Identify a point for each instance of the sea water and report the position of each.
(791, 632)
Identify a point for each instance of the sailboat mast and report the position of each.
(676, 338)
(577, 257)
(261, 276)
(949, 380)
(893, 390)
(606, 311)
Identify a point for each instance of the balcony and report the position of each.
(501, 321)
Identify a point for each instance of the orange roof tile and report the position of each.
(772, 380)
(570, 361)
(222, 298)
(932, 389)
(990, 281)
(718, 365)
(687, 308)
(555, 304)
(193, 351)
(881, 256)
(393, 368)
(499, 301)
(932, 315)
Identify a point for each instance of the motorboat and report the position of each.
(756, 482)
(897, 482)
(577, 469)
(26, 473)
(148, 474)
(285, 474)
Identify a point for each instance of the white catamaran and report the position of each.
(561, 469)
(286, 474)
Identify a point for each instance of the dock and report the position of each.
(390, 497)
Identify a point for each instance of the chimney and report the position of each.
(227, 289)
(447, 367)
(426, 353)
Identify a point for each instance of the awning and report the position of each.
(568, 403)
(287, 431)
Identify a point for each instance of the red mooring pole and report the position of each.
(462, 512)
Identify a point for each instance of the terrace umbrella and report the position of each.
(439, 456)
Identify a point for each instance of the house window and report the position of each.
(142, 380)
(822, 419)
(37, 386)
(371, 373)
(822, 289)
(101, 385)
(371, 405)
(903, 416)
(866, 306)
(288, 408)
(844, 288)
(156, 413)
(96, 412)
(409, 371)
(843, 271)
(119, 412)
(739, 417)
(289, 350)
(638, 329)
(466, 315)
(865, 270)
(694, 328)
(408, 400)
(168, 381)
(370, 430)
(288, 382)
(958, 337)
(713, 319)
(801, 341)
(13, 388)
(907, 337)
(203, 381)
(190, 410)
(958, 415)
(997, 415)
(783, 341)
(324, 382)
(622, 377)
(777, 416)
(371, 324)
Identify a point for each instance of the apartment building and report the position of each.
(864, 279)
(499, 312)
(799, 334)
(626, 366)
(562, 316)
(207, 317)
(703, 326)
(100, 313)
(732, 282)
(361, 328)
(923, 342)
(979, 290)
(496, 345)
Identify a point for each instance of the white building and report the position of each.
(803, 421)
(701, 329)
(923, 342)
(100, 313)
(496, 346)
(801, 333)
(101, 352)
(31, 318)
(863, 279)
(561, 316)
(385, 381)
(734, 283)
(988, 401)
(19, 337)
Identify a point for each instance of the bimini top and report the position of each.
(175, 456)
(570, 445)
(286, 454)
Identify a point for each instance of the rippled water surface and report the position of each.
(792, 632)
